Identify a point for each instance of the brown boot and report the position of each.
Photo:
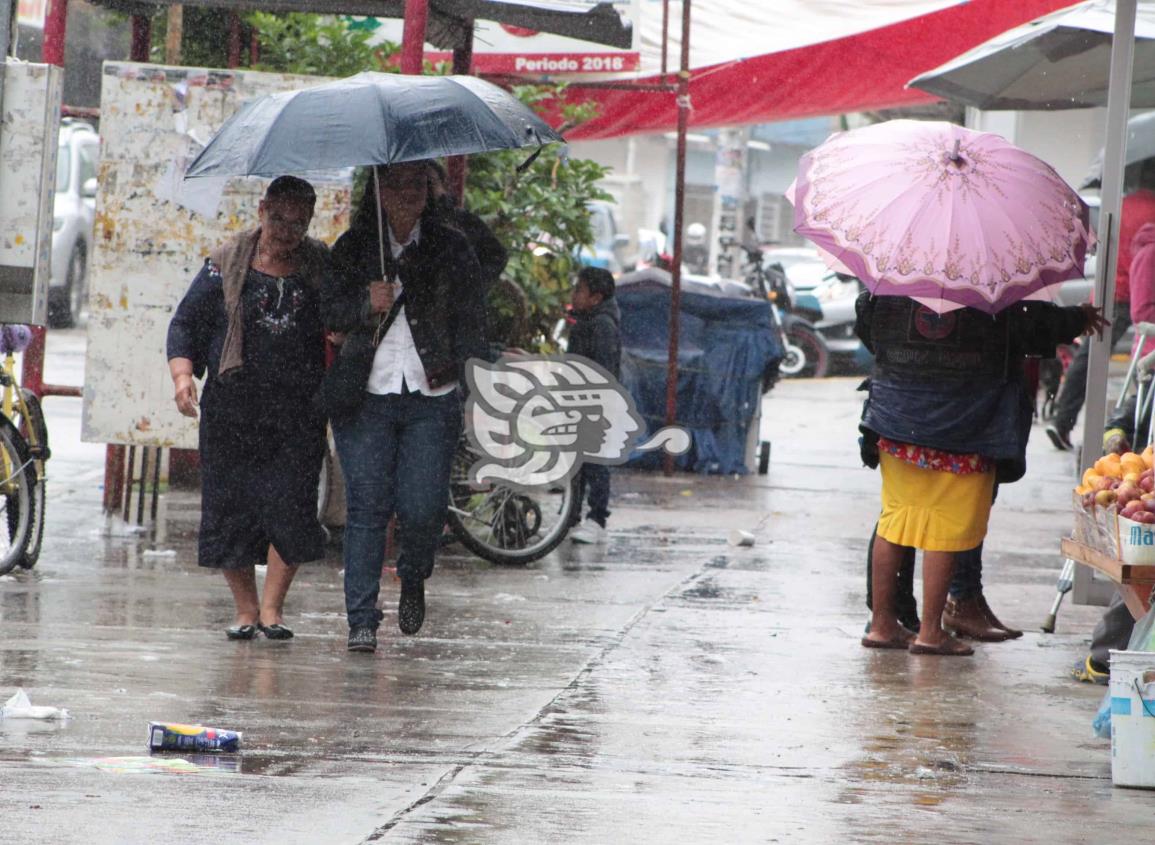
(966, 618)
(993, 621)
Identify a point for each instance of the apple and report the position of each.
(1147, 483)
(1104, 498)
(1145, 517)
(1133, 507)
(1132, 477)
(1128, 491)
(1102, 483)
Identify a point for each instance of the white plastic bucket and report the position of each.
(1133, 718)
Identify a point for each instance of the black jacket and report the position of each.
(955, 382)
(596, 334)
(443, 295)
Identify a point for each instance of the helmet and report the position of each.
(695, 233)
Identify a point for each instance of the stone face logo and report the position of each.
(534, 420)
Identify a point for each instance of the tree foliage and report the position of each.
(540, 214)
(319, 45)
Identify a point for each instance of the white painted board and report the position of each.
(148, 246)
(28, 137)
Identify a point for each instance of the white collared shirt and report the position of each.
(397, 359)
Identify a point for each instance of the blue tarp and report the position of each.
(727, 346)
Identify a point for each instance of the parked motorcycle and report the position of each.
(806, 352)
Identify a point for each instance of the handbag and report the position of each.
(343, 386)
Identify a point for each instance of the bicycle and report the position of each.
(502, 524)
(496, 522)
(23, 452)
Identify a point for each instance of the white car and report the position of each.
(72, 217)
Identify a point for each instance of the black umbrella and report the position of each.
(370, 118)
(367, 119)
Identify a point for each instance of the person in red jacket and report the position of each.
(1138, 210)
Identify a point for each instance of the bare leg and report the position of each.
(936, 573)
(887, 560)
(243, 583)
(278, 577)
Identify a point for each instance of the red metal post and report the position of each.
(679, 221)
(413, 36)
(55, 23)
(458, 166)
(234, 60)
(141, 38)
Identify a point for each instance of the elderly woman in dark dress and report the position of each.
(251, 320)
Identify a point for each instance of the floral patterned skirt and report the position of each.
(931, 509)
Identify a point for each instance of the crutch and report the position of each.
(1066, 581)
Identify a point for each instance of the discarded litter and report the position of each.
(741, 538)
(159, 553)
(20, 707)
(170, 736)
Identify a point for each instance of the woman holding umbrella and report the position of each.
(950, 230)
(408, 286)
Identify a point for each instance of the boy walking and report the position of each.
(596, 335)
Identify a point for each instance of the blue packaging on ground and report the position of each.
(170, 736)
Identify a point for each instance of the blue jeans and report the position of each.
(396, 455)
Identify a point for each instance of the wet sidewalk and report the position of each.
(667, 687)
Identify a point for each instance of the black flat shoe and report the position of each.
(241, 632)
(276, 632)
(411, 607)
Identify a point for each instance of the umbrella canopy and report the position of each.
(370, 118)
(941, 214)
(1061, 61)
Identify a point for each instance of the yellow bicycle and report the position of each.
(23, 451)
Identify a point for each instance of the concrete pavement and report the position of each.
(664, 688)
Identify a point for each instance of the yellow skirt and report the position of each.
(933, 510)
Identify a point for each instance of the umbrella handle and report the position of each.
(380, 221)
(525, 165)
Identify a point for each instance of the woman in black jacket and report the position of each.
(417, 299)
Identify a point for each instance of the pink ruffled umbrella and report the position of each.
(942, 214)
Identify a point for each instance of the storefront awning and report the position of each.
(860, 71)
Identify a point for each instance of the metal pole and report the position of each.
(234, 59)
(457, 167)
(141, 38)
(413, 36)
(6, 8)
(1118, 106)
(55, 24)
(52, 53)
(665, 37)
(174, 34)
(683, 100)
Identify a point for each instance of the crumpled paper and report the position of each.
(20, 707)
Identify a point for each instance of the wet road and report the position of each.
(665, 688)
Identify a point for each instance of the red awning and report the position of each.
(858, 73)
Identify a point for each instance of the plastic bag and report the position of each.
(1102, 722)
(1143, 634)
(20, 707)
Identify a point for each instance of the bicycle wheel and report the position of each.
(504, 525)
(16, 474)
(41, 452)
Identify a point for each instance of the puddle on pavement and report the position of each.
(188, 764)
